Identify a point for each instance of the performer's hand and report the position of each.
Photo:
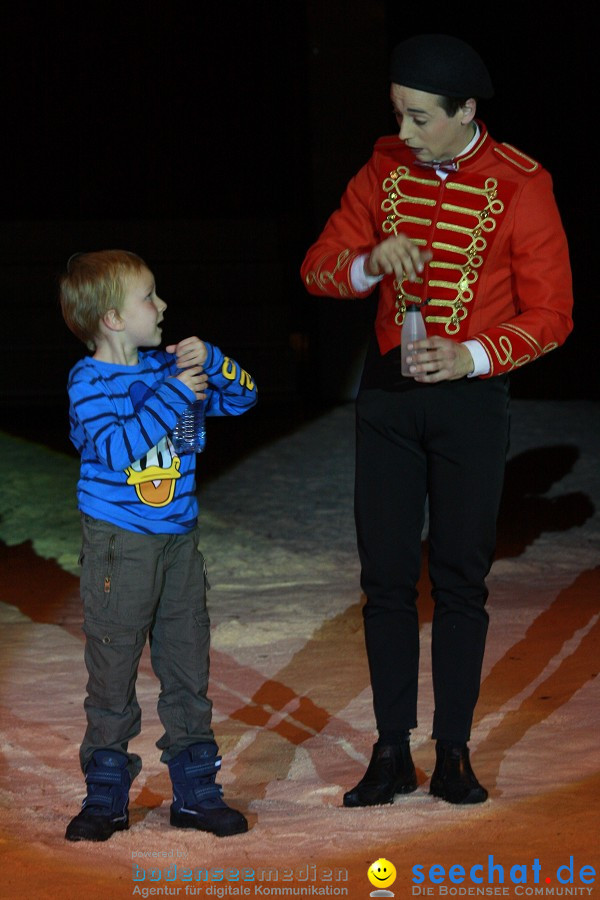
(189, 352)
(397, 256)
(439, 359)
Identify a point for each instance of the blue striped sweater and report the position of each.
(121, 418)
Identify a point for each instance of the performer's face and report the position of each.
(426, 128)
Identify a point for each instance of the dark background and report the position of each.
(215, 139)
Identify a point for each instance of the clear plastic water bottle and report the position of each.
(189, 435)
(413, 329)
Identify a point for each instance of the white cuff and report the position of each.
(359, 279)
(481, 363)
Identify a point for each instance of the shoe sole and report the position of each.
(401, 789)
(96, 839)
(183, 820)
(475, 795)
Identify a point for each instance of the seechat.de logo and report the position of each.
(442, 879)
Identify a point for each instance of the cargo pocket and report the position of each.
(108, 583)
(112, 655)
(100, 557)
(200, 609)
(202, 558)
(205, 574)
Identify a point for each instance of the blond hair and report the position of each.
(92, 284)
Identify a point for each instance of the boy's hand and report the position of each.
(189, 352)
(195, 379)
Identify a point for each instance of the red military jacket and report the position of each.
(500, 271)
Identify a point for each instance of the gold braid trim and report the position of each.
(502, 350)
(396, 196)
(517, 159)
(525, 336)
(323, 278)
(473, 218)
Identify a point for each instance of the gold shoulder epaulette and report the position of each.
(517, 159)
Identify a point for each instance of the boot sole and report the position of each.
(474, 795)
(185, 820)
(95, 838)
(400, 789)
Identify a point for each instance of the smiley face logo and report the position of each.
(382, 873)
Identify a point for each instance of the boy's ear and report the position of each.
(112, 320)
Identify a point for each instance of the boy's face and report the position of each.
(142, 310)
(426, 128)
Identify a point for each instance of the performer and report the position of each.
(443, 216)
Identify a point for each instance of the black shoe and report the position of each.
(197, 798)
(391, 771)
(105, 808)
(453, 778)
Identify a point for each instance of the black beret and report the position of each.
(440, 64)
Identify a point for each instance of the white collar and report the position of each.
(443, 174)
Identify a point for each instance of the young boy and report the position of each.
(142, 573)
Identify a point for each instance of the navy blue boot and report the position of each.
(105, 808)
(197, 799)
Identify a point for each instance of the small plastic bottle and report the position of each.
(413, 329)
(189, 435)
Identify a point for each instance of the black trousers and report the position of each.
(445, 443)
